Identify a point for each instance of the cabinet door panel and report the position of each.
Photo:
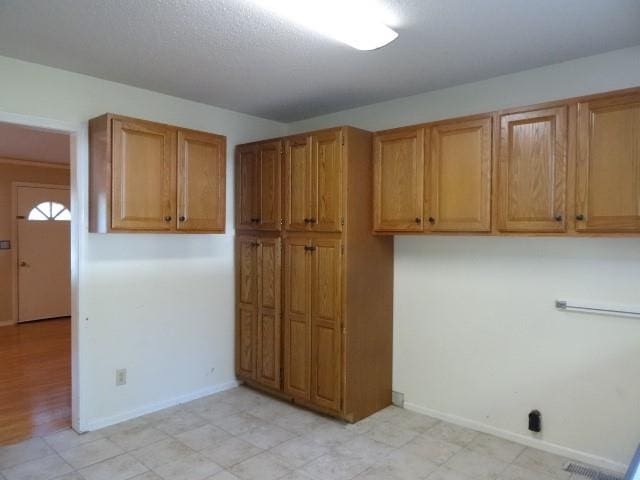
(247, 305)
(297, 327)
(245, 362)
(246, 171)
(532, 171)
(297, 184)
(326, 183)
(326, 323)
(398, 171)
(269, 327)
(608, 169)
(269, 155)
(201, 181)
(461, 177)
(144, 176)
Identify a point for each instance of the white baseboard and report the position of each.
(522, 439)
(98, 423)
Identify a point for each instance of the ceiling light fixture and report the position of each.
(350, 21)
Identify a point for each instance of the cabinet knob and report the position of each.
(167, 218)
(558, 218)
(580, 217)
(255, 220)
(418, 220)
(182, 218)
(24, 264)
(255, 244)
(307, 220)
(432, 220)
(312, 220)
(309, 248)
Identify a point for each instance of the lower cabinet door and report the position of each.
(297, 320)
(246, 305)
(269, 325)
(326, 323)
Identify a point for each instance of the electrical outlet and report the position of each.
(121, 377)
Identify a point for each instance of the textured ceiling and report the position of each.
(235, 55)
(24, 143)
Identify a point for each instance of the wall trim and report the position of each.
(33, 163)
(98, 423)
(521, 439)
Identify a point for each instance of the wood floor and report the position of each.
(35, 379)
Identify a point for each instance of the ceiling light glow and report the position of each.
(353, 22)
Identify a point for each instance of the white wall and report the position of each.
(477, 339)
(159, 305)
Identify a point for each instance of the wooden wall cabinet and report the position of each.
(337, 280)
(608, 164)
(258, 181)
(458, 186)
(434, 178)
(313, 319)
(258, 315)
(568, 167)
(313, 180)
(150, 177)
(398, 166)
(532, 171)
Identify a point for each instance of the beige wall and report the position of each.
(14, 171)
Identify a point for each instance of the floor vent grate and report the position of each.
(589, 472)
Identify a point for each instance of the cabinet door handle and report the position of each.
(167, 218)
(312, 220)
(580, 217)
(309, 248)
(255, 220)
(307, 220)
(255, 244)
(418, 220)
(182, 218)
(432, 220)
(558, 218)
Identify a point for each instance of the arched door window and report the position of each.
(50, 211)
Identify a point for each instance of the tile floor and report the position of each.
(241, 434)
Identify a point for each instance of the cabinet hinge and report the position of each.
(342, 221)
(342, 138)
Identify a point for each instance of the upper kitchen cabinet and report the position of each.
(202, 162)
(532, 171)
(246, 176)
(150, 177)
(297, 183)
(608, 164)
(325, 206)
(458, 192)
(398, 180)
(258, 186)
(313, 182)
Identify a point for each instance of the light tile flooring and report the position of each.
(241, 434)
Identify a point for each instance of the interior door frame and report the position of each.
(78, 191)
(14, 236)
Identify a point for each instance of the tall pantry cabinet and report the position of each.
(313, 289)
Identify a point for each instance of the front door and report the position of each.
(44, 265)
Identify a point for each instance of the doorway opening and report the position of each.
(35, 267)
